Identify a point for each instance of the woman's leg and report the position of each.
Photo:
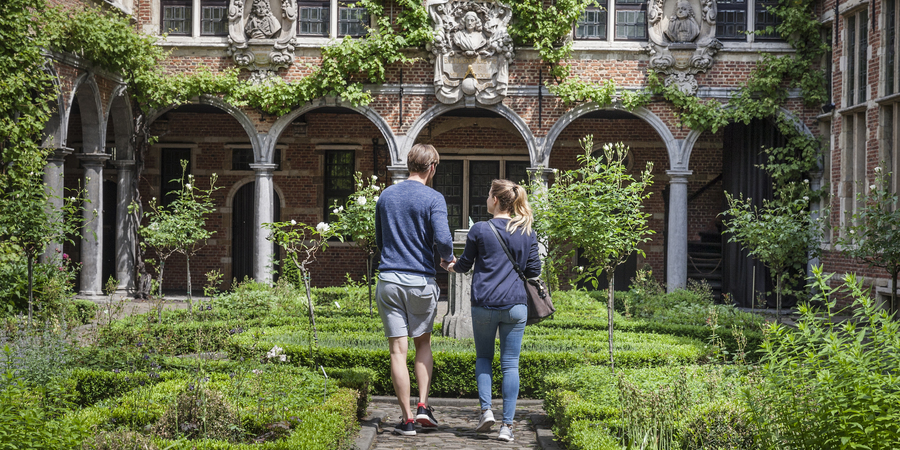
(512, 328)
(484, 328)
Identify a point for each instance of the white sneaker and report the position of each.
(505, 433)
(487, 420)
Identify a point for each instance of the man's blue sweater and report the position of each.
(410, 220)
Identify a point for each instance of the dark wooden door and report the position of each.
(242, 231)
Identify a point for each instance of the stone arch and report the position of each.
(119, 111)
(54, 134)
(440, 109)
(284, 121)
(672, 145)
(256, 138)
(237, 185)
(687, 147)
(87, 92)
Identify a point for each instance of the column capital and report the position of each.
(95, 159)
(398, 173)
(264, 168)
(679, 176)
(59, 154)
(123, 163)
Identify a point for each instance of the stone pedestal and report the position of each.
(458, 320)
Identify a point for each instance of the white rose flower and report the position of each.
(375, 188)
(154, 198)
(322, 227)
(852, 232)
(878, 170)
(805, 198)
(340, 208)
(283, 358)
(805, 180)
(361, 201)
(187, 186)
(293, 222)
(374, 178)
(376, 199)
(872, 187)
(335, 210)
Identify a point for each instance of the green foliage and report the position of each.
(355, 221)
(782, 233)
(872, 234)
(593, 408)
(709, 115)
(546, 28)
(29, 424)
(831, 383)
(199, 413)
(34, 356)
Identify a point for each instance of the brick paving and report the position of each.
(457, 419)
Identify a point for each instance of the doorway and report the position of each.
(242, 231)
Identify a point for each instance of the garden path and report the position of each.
(457, 419)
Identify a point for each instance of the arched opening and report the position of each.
(110, 220)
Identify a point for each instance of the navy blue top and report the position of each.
(495, 284)
(410, 220)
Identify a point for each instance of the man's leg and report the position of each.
(424, 365)
(400, 373)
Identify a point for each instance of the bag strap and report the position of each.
(508, 254)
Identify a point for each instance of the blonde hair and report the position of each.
(420, 157)
(512, 198)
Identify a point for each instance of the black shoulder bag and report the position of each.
(540, 306)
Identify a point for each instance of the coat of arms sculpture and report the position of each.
(471, 51)
(261, 35)
(682, 40)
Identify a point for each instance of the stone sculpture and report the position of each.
(261, 37)
(682, 46)
(471, 51)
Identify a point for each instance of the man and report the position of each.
(411, 219)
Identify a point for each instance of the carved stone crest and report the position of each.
(261, 35)
(471, 50)
(682, 40)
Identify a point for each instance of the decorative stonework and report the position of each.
(682, 40)
(261, 35)
(471, 50)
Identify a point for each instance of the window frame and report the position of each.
(891, 43)
(723, 8)
(502, 159)
(603, 11)
(221, 5)
(327, 193)
(625, 6)
(856, 55)
(188, 5)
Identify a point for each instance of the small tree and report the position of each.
(179, 226)
(780, 234)
(598, 208)
(873, 234)
(356, 221)
(301, 242)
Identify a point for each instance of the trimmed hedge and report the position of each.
(544, 351)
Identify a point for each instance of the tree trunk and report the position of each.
(779, 278)
(312, 315)
(610, 306)
(190, 299)
(369, 280)
(162, 266)
(30, 258)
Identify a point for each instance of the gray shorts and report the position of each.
(407, 310)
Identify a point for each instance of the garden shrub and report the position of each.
(831, 383)
(591, 405)
(119, 440)
(81, 311)
(359, 378)
(30, 424)
(91, 385)
(35, 356)
(719, 425)
(199, 413)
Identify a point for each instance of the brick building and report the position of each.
(501, 123)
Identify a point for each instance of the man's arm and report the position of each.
(442, 237)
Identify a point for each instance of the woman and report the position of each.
(498, 294)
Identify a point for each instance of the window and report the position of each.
(316, 20)
(176, 17)
(631, 20)
(170, 172)
(465, 183)
(313, 19)
(853, 164)
(194, 17)
(856, 45)
(891, 143)
(340, 165)
(765, 19)
(593, 22)
(213, 19)
(352, 21)
(891, 47)
(731, 20)
(241, 158)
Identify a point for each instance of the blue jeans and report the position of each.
(511, 323)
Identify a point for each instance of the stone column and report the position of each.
(398, 173)
(815, 183)
(263, 212)
(676, 261)
(125, 226)
(92, 234)
(458, 320)
(54, 181)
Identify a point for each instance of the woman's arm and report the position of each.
(470, 253)
(533, 266)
